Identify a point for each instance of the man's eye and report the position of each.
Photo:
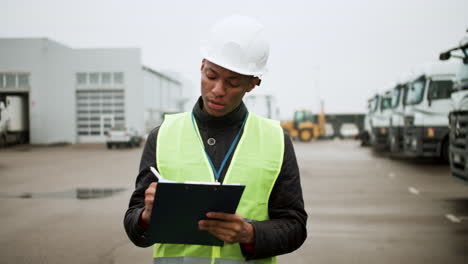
(210, 76)
(234, 83)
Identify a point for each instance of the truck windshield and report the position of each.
(386, 103)
(396, 96)
(370, 103)
(416, 92)
(440, 89)
(374, 104)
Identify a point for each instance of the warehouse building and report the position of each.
(75, 95)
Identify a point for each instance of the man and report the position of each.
(220, 140)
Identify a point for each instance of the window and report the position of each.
(23, 80)
(81, 78)
(10, 80)
(386, 103)
(440, 89)
(405, 88)
(118, 78)
(94, 78)
(416, 91)
(14, 80)
(106, 78)
(374, 103)
(396, 96)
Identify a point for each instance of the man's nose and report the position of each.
(219, 89)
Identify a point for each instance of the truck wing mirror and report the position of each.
(444, 56)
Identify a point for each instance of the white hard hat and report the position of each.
(237, 43)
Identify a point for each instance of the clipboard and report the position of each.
(178, 207)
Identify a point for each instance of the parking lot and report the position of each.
(363, 207)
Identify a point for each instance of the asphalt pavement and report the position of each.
(65, 204)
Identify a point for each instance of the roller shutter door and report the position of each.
(97, 111)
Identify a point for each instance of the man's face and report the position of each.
(222, 90)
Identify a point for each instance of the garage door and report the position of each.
(97, 111)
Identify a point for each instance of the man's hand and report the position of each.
(231, 228)
(149, 199)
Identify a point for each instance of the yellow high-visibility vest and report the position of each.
(256, 163)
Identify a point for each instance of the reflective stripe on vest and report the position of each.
(198, 260)
(255, 163)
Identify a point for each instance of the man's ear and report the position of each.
(255, 81)
(202, 64)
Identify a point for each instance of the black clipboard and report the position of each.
(178, 207)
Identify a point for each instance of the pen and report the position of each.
(156, 173)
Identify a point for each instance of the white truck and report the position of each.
(13, 120)
(372, 105)
(380, 121)
(458, 116)
(395, 133)
(120, 136)
(365, 134)
(427, 106)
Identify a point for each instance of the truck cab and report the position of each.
(427, 106)
(458, 116)
(366, 133)
(3, 123)
(381, 122)
(13, 120)
(395, 134)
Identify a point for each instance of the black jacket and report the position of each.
(286, 229)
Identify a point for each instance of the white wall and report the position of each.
(57, 95)
(51, 93)
(127, 61)
(161, 95)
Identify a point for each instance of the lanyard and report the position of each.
(231, 148)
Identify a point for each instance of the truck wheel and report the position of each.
(306, 134)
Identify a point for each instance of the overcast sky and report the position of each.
(340, 51)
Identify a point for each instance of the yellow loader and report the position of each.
(304, 126)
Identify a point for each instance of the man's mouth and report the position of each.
(215, 105)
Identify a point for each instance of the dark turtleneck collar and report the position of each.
(206, 120)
